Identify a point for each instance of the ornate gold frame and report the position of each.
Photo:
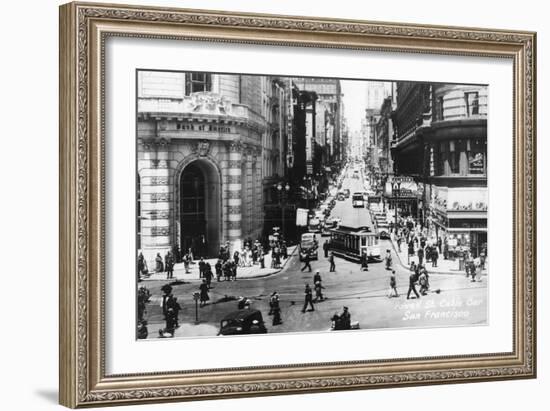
(83, 29)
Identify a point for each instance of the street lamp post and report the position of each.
(196, 297)
(308, 190)
(280, 189)
(396, 190)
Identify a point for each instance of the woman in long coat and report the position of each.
(159, 264)
(204, 293)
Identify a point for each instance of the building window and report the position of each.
(439, 108)
(454, 157)
(440, 159)
(477, 152)
(472, 103)
(197, 82)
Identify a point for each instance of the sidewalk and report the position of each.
(242, 272)
(443, 266)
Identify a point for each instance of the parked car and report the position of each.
(246, 321)
(383, 231)
(329, 225)
(314, 225)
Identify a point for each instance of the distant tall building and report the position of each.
(377, 91)
(375, 150)
(329, 100)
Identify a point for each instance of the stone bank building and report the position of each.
(200, 160)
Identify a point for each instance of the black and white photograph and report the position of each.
(279, 204)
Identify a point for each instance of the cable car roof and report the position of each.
(353, 230)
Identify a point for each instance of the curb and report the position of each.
(252, 277)
(457, 272)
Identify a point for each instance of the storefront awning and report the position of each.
(464, 230)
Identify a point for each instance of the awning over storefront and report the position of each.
(462, 230)
(406, 188)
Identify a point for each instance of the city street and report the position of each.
(453, 300)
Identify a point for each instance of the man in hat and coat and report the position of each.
(332, 264)
(308, 299)
(413, 278)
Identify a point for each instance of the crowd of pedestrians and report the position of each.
(410, 236)
(249, 255)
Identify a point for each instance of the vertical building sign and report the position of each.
(289, 131)
(281, 125)
(301, 217)
(309, 142)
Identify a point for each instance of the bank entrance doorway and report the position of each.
(199, 192)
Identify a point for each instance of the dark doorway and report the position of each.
(200, 205)
(192, 210)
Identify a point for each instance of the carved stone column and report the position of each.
(248, 212)
(257, 215)
(156, 199)
(234, 195)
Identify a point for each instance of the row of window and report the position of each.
(197, 82)
(471, 105)
(460, 157)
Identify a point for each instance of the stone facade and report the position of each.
(209, 141)
(441, 140)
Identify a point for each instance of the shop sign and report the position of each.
(301, 217)
(476, 163)
(402, 179)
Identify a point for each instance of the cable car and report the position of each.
(354, 242)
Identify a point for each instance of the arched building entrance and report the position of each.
(200, 208)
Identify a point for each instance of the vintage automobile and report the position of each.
(314, 225)
(330, 223)
(309, 246)
(246, 321)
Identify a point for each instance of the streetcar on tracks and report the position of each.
(358, 200)
(354, 242)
